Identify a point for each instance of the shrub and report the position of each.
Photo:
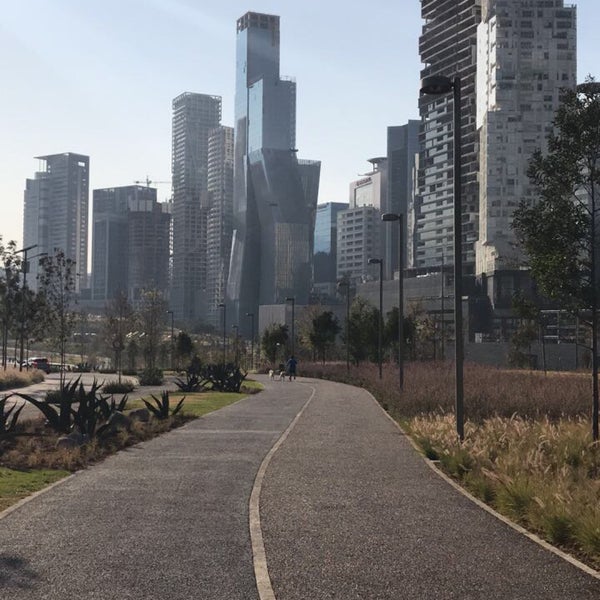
(224, 377)
(116, 387)
(161, 407)
(151, 377)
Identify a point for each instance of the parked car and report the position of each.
(39, 362)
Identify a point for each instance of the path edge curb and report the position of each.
(524, 532)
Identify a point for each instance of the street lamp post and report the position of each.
(436, 85)
(251, 315)
(236, 329)
(379, 261)
(293, 301)
(346, 284)
(23, 302)
(224, 307)
(400, 219)
(170, 312)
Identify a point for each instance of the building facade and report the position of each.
(55, 214)
(325, 242)
(526, 52)
(130, 243)
(195, 116)
(275, 194)
(402, 152)
(220, 218)
(447, 46)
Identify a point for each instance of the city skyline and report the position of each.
(125, 89)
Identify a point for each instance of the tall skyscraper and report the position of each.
(447, 47)
(220, 217)
(275, 194)
(130, 244)
(402, 151)
(526, 52)
(55, 215)
(194, 117)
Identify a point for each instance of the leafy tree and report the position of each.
(526, 332)
(274, 336)
(558, 230)
(184, 348)
(151, 317)
(390, 332)
(325, 328)
(119, 321)
(57, 285)
(9, 293)
(363, 331)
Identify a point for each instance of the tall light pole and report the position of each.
(379, 261)
(400, 219)
(236, 329)
(436, 85)
(25, 268)
(293, 301)
(170, 312)
(251, 315)
(346, 284)
(224, 307)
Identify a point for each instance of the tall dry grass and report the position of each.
(13, 378)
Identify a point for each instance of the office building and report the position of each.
(325, 242)
(55, 214)
(220, 218)
(275, 194)
(130, 243)
(194, 117)
(402, 153)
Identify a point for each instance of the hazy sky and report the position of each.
(97, 77)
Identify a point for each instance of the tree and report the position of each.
(9, 293)
(151, 317)
(526, 332)
(57, 286)
(119, 321)
(558, 230)
(325, 328)
(274, 337)
(184, 348)
(390, 332)
(363, 331)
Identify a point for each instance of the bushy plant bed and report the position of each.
(114, 387)
(13, 378)
(151, 377)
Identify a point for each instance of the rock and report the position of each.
(67, 442)
(117, 422)
(139, 414)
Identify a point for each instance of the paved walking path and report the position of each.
(348, 510)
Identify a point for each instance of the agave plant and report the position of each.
(161, 407)
(8, 417)
(108, 408)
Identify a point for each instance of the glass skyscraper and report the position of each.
(275, 194)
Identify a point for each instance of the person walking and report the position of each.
(290, 367)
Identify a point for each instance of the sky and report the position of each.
(97, 77)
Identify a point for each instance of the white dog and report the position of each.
(271, 375)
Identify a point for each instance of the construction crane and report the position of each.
(149, 182)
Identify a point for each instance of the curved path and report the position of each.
(347, 510)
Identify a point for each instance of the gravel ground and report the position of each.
(350, 511)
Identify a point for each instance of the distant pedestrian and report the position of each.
(290, 367)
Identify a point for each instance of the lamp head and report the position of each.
(375, 261)
(390, 217)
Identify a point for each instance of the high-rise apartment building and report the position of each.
(447, 46)
(275, 194)
(402, 151)
(220, 218)
(55, 214)
(130, 243)
(526, 52)
(195, 116)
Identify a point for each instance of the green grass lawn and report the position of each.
(15, 485)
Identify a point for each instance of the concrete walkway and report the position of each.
(348, 510)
